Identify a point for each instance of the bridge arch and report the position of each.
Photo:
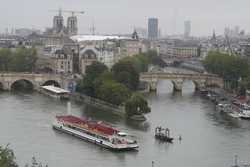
(22, 84)
(52, 82)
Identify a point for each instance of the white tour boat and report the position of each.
(55, 92)
(95, 132)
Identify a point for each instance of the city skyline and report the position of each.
(107, 19)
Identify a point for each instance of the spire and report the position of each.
(60, 11)
(135, 35)
(214, 35)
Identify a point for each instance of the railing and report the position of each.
(177, 75)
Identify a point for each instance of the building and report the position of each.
(142, 32)
(59, 29)
(153, 28)
(187, 29)
(179, 49)
(72, 25)
(106, 49)
(87, 56)
(185, 52)
(63, 61)
(24, 32)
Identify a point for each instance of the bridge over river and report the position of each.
(200, 80)
(9, 80)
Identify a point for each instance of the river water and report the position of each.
(209, 138)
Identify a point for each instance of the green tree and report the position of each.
(125, 73)
(7, 157)
(93, 71)
(20, 60)
(231, 68)
(155, 59)
(5, 59)
(24, 60)
(112, 92)
(136, 105)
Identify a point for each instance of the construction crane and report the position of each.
(73, 12)
(229, 44)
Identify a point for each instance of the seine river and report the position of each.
(209, 138)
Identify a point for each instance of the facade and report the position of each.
(179, 49)
(130, 47)
(63, 61)
(185, 52)
(153, 28)
(87, 56)
(72, 25)
(58, 24)
(24, 32)
(187, 29)
(59, 29)
(106, 49)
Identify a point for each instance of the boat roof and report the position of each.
(95, 125)
(55, 89)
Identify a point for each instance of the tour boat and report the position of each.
(95, 132)
(55, 92)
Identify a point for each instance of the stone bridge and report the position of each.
(8, 80)
(200, 80)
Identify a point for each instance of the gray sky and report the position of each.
(120, 16)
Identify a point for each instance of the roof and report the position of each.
(94, 125)
(80, 38)
(55, 89)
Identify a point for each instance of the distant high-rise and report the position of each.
(152, 28)
(187, 28)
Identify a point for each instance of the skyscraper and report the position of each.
(152, 28)
(187, 28)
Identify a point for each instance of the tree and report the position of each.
(24, 60)
(155, 59)
(7, 157)
(231, 68)
(20, 60)
(93, 71)
(5, 59)
(125, 73)
(136, 105)
(112, 92)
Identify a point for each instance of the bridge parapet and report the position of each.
(37, 80)
(200, 80)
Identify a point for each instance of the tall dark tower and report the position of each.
(72, 25)
(58, 22)
(153, 28)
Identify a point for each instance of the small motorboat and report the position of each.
(163, 134)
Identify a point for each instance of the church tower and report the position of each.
(58, 23)
(72, 25)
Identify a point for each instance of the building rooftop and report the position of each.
(80, 38)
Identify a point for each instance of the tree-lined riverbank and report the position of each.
(119, 84)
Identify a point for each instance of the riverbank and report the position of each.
(105, 106)
(100, 104)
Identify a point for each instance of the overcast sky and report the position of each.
(121, 16)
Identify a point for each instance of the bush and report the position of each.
(136, 105)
